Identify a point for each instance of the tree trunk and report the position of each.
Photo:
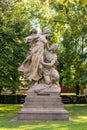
(1, 88)
(77, 89)
(82, 91)
(60, 81)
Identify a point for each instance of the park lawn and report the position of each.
(77, 112)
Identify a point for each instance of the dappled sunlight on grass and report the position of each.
(51, 125)
(77, 112)
(7, 111)
(10, 107)
(81, 118)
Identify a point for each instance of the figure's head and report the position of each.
(53, 47)
(47, 32)
(33, 31)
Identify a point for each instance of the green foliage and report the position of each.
(12, 51)
(68, 22)
(74, 46)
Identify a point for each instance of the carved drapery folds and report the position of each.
(40, 64)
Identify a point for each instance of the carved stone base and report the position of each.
(44, 104)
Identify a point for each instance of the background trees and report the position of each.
(68, 21)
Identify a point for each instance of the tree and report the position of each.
(67, 21)
(74, 43)
(11, 43)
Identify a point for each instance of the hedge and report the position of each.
(12, 99)
(66, 99)
(74, 99)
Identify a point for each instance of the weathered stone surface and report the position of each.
(43, 114)
(43, 106)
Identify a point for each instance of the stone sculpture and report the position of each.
(43, 101)
(40, 64)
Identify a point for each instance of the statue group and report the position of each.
(43, 101)
(40, 64)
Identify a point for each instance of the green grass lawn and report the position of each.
(77, 112)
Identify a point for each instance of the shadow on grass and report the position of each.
(77, 111)
(52, 125)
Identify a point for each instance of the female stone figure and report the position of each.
(32, 67)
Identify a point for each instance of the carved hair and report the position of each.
(48, 31)
(33, 31)
(53, 47)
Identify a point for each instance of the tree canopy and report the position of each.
(67, 20)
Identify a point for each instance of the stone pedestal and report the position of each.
(45, 105)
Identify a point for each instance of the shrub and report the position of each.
(12, 99)
(66, 99)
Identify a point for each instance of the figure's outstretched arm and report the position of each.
(27, 39)
(30, 38)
